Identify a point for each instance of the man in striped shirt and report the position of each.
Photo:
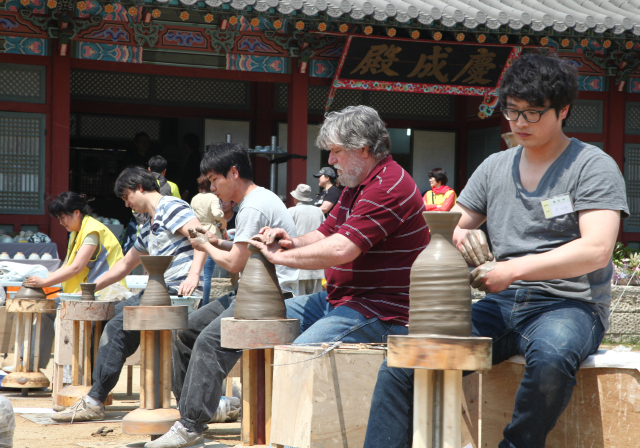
(367, 244)
(166, 233)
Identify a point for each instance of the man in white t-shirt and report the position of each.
(200, 364)
(164, 234)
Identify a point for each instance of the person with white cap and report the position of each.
(330, 193)
(307, 218)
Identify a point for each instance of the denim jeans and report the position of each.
(554, 335)
(209, 265)
(200, 364)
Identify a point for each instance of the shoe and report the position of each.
(80, 411)
(177, 437)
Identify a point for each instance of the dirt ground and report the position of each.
(32, 435)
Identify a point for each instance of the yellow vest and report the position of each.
(109, 252)
(438, 199)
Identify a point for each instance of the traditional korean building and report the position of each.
(79, 79)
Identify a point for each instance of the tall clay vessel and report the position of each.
(156, 293)
(440, 296)
(88, 291)
(259, 294)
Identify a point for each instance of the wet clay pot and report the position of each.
(88, 291)
(259, 294)
(440, 295)
(26, 292)
(156, 294)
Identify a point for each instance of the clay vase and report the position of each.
(156, 294)
(440, 295)
(259, 294)
(26, 292)
(88, 291)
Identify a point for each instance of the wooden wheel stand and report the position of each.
(438, 362)
(25, 375)
(155, 416)
(83, 313)
(257, 338)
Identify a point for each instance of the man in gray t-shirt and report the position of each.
(553, 207)
(200, 364)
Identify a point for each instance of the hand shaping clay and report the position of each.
(88, 291)
(479, 273)
(26, 292)
(156, 294)
(259, 294)
(475, 249)
(439, 295)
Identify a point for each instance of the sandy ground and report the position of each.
(32, 435)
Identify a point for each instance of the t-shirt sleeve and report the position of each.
(91, 240)
(142, 242)
(248, 223)
(332, 195)
(375, 216)
(176, 215)
(601, 187)
(474, 195)
(328, 227)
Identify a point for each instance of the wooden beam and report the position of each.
(75, 357)
(86, 365)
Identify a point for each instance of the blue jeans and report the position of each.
(554, 335)
(320, 322)
(209, 265)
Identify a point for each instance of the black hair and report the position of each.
(192, 140)
(131, 178)
(157, 164)
(535, 78)
(140, 134)
(221, 157)
(439, 175)
(68, 202)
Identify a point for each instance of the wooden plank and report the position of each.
(422, 408)
(437, 352)
(249, 399)
(155, 318)
(240, 334)
(31, 306)
(91, 310)
(165, 369)
(471, 415)
(86, 365)
(75, 360)
(268, 391)
(36, 343)
(149, 370)
(452, 416)
(142, 348)
(58, 374)
(7, 333)
(28, 343)
(18, 343)
(603, 411)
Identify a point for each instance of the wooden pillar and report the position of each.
(297, 128)
(60, 138)
(264, 128)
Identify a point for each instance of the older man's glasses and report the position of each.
(530, 115)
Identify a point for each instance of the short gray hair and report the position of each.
(355, 127)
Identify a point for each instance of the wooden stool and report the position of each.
(82, 313)
(26, 376)
(439, 362)
(155, 416)
(257, 372)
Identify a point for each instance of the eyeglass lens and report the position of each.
(532, 116)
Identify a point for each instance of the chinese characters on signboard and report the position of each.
(424, 62)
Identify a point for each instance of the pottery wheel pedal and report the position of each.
(154, 318)
(29, 304)
(259, 323)
(440, 302)
(83, 313)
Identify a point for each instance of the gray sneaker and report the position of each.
(177, 437)
(80, 411)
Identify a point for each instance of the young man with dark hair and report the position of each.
(200, 364)
(158, 167)
(330, 193)
(165, 234)
(552, 206)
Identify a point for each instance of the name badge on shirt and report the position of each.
(557, 206)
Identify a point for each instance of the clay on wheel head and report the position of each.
(156, 294)
(88, 291)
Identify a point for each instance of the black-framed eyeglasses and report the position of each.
(530, 115)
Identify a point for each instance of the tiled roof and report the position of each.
(616, 16)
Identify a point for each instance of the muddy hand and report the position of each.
(479, 274)
(192, 233)
(475, 248)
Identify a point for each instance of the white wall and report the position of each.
(432, 149)
(313, 157)
(215, 131)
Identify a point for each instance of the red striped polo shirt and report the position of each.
(382, 216)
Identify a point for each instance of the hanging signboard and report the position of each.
(397, 65)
